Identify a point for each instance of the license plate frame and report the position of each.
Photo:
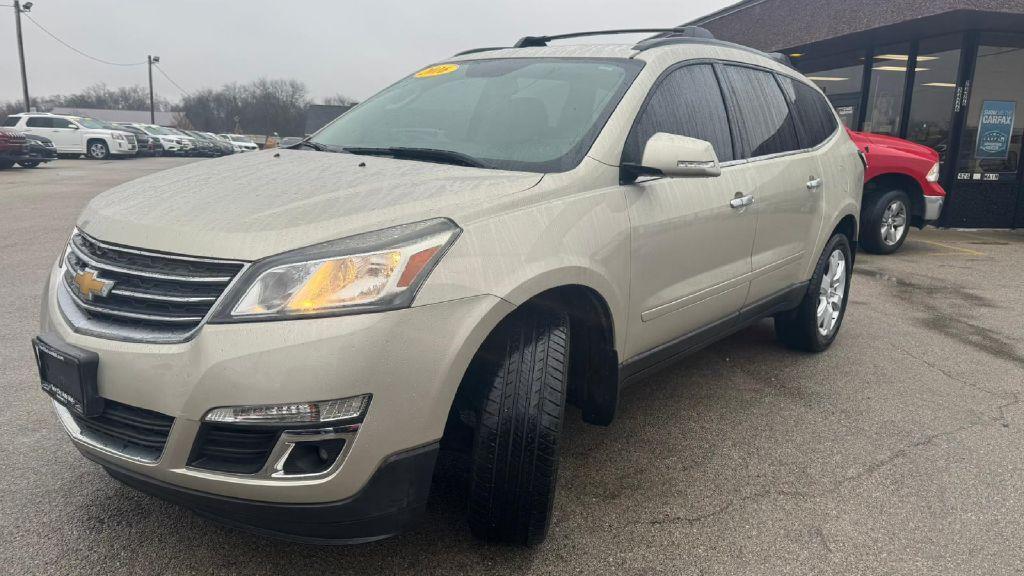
(68, 375)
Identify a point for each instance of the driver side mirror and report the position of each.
(677, 156)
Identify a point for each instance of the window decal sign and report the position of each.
(995, 129)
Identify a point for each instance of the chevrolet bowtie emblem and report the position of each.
(90, 284)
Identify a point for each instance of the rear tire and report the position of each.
(886, 222)
(813, 325)
(515, 449)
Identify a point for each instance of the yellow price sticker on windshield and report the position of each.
(438, 70)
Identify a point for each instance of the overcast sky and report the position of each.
(342, 46)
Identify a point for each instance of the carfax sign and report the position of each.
(995, 129)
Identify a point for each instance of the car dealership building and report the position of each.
(944, 73)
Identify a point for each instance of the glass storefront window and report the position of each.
(991, 144)
(839, 77)
(888, 80)
(931, 105)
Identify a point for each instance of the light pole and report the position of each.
(18, 9)
(152, 108)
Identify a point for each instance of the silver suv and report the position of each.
(284, 340)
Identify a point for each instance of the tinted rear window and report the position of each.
(39, 122)
(814, 116)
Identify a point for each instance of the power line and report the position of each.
(100, 60)
(161, 71)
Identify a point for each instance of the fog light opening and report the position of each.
(313, 457)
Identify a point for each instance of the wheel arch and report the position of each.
(898, 181)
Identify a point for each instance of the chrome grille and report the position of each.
(142, 290)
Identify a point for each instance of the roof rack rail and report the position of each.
(678, 32)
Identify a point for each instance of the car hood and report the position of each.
(255, 205)
(863, 139)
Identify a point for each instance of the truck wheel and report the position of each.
(885, 222)
(515, 450)
(98, 150)
(813, 325)
(28, 164)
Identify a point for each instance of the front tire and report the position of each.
(886, 222)
(813, 325)
(31, 164)
(515, 450)
(98, 150)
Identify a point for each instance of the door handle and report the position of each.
(814, 183)
(741, 201)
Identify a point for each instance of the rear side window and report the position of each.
(39, 122)
(687, 102)
(814, 118)
(11, 121)
(762, 114)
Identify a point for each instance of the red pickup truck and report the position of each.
(13, 148)
(901, 189)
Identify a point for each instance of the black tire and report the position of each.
(515, 449)
(97, 150)
(798, 328)
(4, 165)
(871, 236)
(29, 164)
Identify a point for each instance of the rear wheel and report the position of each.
(813, 325)
(515, 449)
(98, 150)
(886, 222)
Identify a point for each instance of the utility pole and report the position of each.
(21, 50)
(152, 108)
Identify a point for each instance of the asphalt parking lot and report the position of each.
(899, 451)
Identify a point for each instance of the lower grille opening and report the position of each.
(128, 429)
(233, 449)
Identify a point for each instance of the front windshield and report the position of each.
(531, 114)
(90, 123)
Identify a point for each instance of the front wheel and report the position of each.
(31, 164)
(515, 451)
(98, 150)
(885, 222)
(812, 326)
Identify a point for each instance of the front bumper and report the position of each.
(410, 360)
(933, 207)
(122, 148)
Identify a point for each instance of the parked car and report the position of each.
(241, 142)
(75, 135)
(170, 144)
(13, 148)
(312, 325)
(40, 150)
(226, 148)
(189, 145)
(148, 145)
(901, 189)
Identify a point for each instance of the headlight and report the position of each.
(933, 174)
(119, 136)
(369, 272)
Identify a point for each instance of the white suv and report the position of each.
(284, 340)
(75, 135)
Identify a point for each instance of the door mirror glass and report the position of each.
(679, 156)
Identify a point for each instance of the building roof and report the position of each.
(774, 25)
(134, 116)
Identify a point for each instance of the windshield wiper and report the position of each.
(315, 146)
(426, 154)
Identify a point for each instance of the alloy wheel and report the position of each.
(831, 293)
(894, 222)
